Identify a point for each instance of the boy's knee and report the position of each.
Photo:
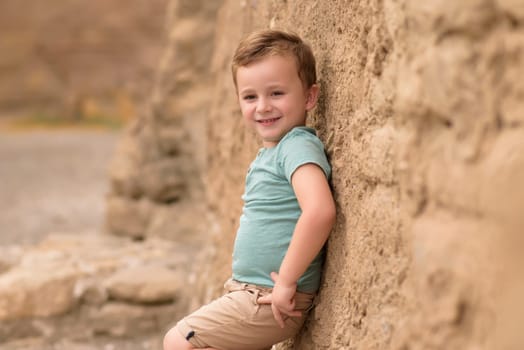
(173, 340)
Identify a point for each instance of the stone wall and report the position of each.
(421, 112)
(156, 176)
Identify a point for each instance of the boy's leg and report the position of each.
(235, 321)
(174, 341)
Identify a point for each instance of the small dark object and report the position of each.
(190, 335)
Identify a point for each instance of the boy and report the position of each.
(288, 206)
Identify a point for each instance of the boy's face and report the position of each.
(272, 97)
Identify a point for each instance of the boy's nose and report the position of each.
(263, 105)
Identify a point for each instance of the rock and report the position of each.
(91, 291)
(181, 215)
(162, 180)
(171, 139)
(513, 7)
(144, 284)
(128, 217)
(121, 319)
(28, 292)
(9, 257)
(124, 170)
(66, 287)
(165, 147)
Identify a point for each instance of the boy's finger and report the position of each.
(274, 276)
(266, 299)
(277, 316)
(294, 313)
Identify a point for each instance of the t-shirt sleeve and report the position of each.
(300, 149)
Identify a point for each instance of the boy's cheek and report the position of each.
(250, 123)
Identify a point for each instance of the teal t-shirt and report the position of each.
(271, 210)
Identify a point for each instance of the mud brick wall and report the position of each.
(421, 111)
(422, 114)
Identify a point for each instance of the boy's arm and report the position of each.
(311, 232)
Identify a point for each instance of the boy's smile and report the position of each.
(267, 122)
(272, 98)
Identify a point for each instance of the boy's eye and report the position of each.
(277, 93)
(249, 97)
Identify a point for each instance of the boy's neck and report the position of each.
(268, 145)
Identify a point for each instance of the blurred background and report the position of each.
(123, 156)
(79, 60)
(72, 74)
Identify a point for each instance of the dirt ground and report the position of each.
(56, 181)
(52, 181)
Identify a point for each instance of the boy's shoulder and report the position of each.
(298, 137)
(299, 146)
(299, 132)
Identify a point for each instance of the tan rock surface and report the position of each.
(74, 287)
(26, 293)
(420, 111)
(161, 158)
(420, 116)
(144, 284)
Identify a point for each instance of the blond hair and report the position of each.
(268, 42)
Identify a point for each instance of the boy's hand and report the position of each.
(282, 300)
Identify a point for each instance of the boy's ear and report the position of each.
(312, 97)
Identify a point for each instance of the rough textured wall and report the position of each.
(360, 301)
(460, 165)
(421, 112)
(156, 185)
(78, 58)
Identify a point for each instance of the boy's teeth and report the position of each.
(268, 120)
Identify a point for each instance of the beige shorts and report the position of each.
(235, 320)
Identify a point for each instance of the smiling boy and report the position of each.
(288, 206)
